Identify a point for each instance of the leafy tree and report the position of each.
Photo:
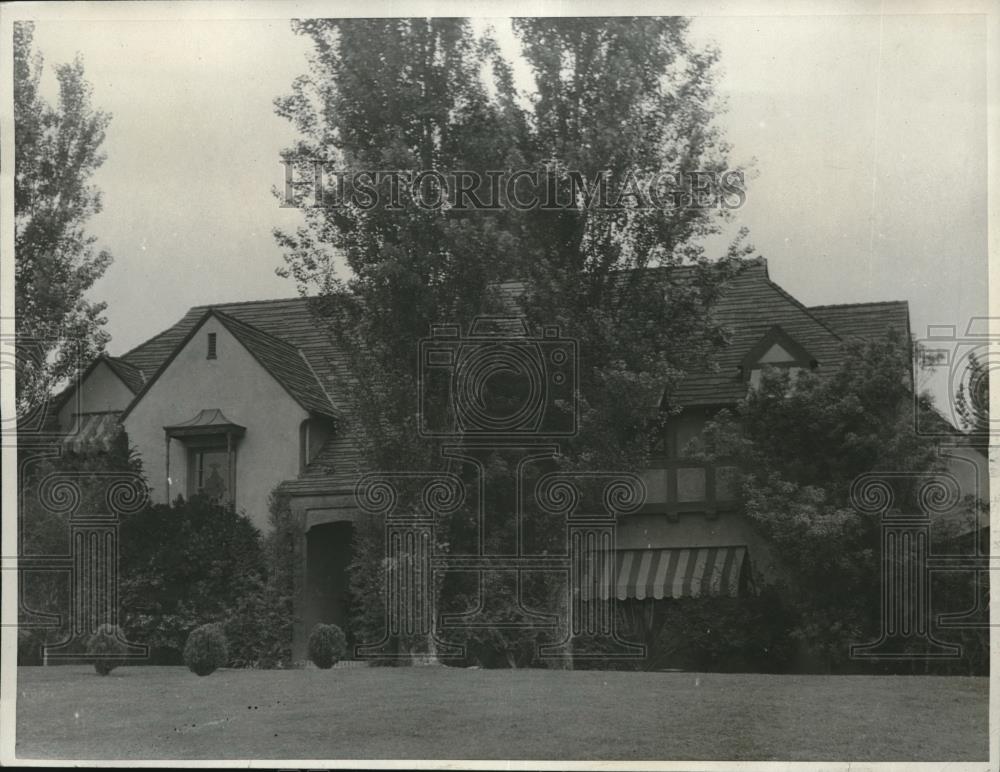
(626, 98)
(619, 96)
(56, 151)
(800, 443)
(394, 94)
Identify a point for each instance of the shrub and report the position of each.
(108, 640)
(184, 565)
(259, 629)
(327, 645)
(749, 634)
(206, 649)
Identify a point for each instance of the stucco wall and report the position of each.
(246, 393)
(103, 391)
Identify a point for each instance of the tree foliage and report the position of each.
(800, 443)
(44, 528)
(616, 96)
(57, 149)
(183, 565)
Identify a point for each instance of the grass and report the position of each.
(445, 713)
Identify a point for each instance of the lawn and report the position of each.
(445, 713)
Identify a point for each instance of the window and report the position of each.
(688, 439)
(212, 354)
(758, 372)
(778, 350)
(210, 475)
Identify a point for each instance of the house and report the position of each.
(237, 400)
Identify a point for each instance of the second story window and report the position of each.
(211, 346)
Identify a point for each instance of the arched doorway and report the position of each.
(327, 591)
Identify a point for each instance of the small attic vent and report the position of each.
(211, 346)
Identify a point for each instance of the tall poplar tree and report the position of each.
(57, 149)
(616, 96)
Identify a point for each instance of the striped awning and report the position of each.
(665, 573)
(93, 432)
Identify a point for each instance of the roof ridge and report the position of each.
(255, 328)
(126, 372)
(861, 303)
(121, 361)
(784, 293)
(252, 302)
(160, 334)
(205, 307)
(758, 261)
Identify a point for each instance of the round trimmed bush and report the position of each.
(206, 649)
(327, 645)
(107, 641)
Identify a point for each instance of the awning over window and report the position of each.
(93, 432)
(666, 573)
(207, 422)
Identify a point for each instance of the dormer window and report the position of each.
(212, 354)
(775, 349)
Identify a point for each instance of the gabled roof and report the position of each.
(286, 363)
(288, 319)
(130, 376)
(749, 306)
(126, 373)
(865, 320)
(283, 335)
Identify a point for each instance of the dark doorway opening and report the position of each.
(328, 599)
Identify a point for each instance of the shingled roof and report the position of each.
(749, 307)
(865, 320)
(288, 319)
(286, 362)
(130, 376)
(285, 338)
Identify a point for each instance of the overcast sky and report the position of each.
(869, 135)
